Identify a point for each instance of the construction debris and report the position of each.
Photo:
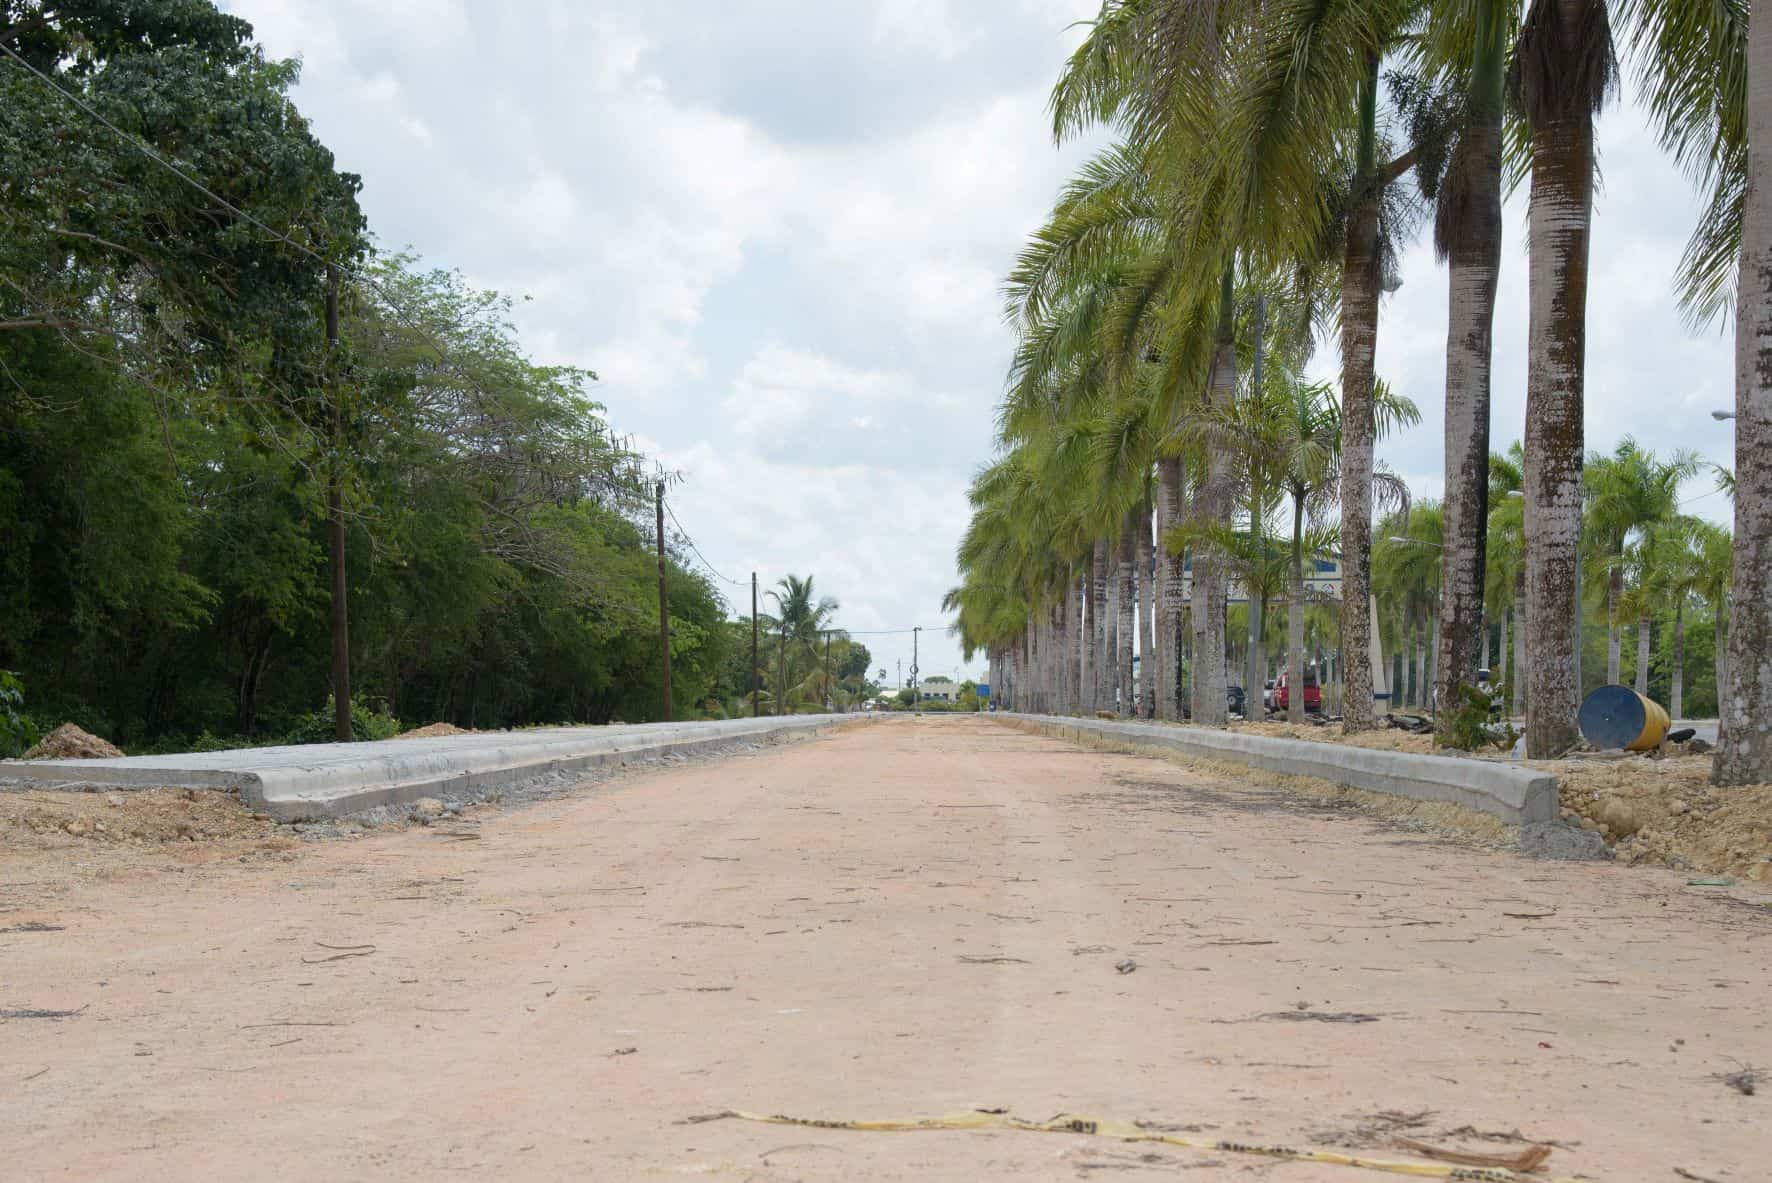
(1530, 1159)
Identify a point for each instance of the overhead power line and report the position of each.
(712, 570)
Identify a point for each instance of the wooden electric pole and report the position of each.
(335, 525)
(830, 700)
(664, 607)
(756, 677)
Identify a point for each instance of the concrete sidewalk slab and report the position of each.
(1515, 794)
(311, 782)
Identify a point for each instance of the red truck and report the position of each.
(1313, 693)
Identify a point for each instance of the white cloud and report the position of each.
(777, 231)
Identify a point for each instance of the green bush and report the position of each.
(366, 723)
(1468, 725)
(17, 733)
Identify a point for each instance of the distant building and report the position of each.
(939, 691)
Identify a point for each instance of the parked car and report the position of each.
(1267, 694)
(1235, 699)
(1313, 692)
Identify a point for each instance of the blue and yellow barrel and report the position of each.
(1614, 717)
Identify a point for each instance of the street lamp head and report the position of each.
(1517, 493)
(1720, 416)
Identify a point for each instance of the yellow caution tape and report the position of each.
(1067, 1123)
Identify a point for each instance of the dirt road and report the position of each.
(909, 918)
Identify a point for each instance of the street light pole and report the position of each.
(916, 690)
(756, 678)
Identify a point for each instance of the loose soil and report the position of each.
(69, 742)
(1666, 811)
(914, 917)
(128, 827)
(434, 729)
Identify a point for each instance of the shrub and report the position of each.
(1468, 726)
(366, 723)
(17, 732)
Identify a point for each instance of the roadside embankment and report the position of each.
(1513, 794)
(330, 780)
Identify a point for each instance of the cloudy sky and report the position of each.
(776, 229)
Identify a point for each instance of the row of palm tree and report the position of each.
(1641, 556)
(1267, 161)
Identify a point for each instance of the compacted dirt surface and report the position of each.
(914, 917)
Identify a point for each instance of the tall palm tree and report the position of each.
(1309, 462)
(800, 617)
(1504, 569)
(1563, 71)
(1744, 755)
(1406, 570)
(1715, 562)
(1708, 74)
(1462, 175)
(1628, 493)
(1673, 573)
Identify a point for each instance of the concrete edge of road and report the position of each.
(322, 781)
(1516, 795)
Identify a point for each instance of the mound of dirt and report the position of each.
(69, 742)
(41, 820)
(432, 731)
(1666, 811)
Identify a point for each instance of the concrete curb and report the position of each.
(1514, 794)
(309, 783)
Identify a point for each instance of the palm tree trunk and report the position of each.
(1417, 667)
(1501, 651)
(1470, 234)
(1127, 625)
(1087, 649)
(1559, 220)
(1207, 607)
(1111, 697)
(1519, 707)
(1294, 619)
(1147, 630)
(1643, 637)
(1101, 688)
(1080, 644)
(1720, 658)
(1430, 665)
(1171, 497)
(1744, 755)
(1614, 627)
(1360, 277)
(1676, 698)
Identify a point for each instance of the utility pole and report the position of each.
(664, 607)
(830, 700)
(756, 679)
(335, 526)
(916, 690)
